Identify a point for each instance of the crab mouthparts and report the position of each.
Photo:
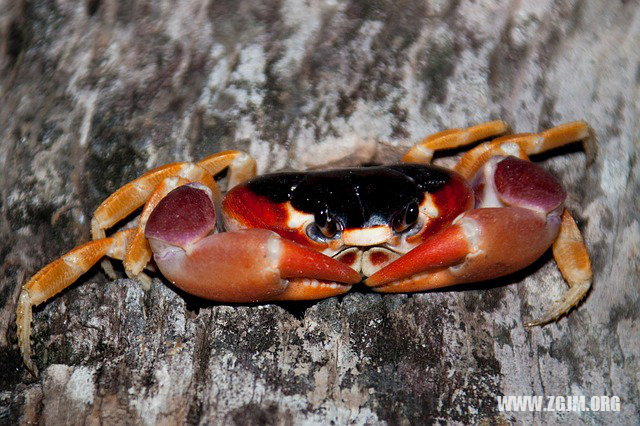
(367, 261)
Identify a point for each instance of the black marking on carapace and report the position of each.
(355, 197)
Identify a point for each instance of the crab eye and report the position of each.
(406, 217)
(325, 224)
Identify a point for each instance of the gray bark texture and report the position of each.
(94, 93)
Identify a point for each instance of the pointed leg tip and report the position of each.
(537, 322)
(31, 367)
(552, 315)
(145, 281)
(107, 267)
(570, 299)
(591, 149)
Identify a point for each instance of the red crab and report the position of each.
(309, 235)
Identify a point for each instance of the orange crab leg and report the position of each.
(58, 275)
(130, 197)
(571, 254)
(573, 261)
(138, 253)
(133, 195)
(423, 151)
(524, 144)
(126, 200)
(241, 166)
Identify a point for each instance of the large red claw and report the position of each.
(298, 261)
(242, 266)
(312, 275)
(482, 244)
(251, 265)
(446, 248)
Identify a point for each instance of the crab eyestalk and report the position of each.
(248, 265)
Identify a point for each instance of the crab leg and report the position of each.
(241, 266)
(573, 261)
(138, 253)
(133, 195)
(423, 151)
(241, 166)
(58, 275)
(524, 144)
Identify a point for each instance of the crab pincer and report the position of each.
(248, 265)
(516, 219)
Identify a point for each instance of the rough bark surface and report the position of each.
(94, 93)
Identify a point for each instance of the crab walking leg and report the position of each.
(138, 253)
(573, 261)
(125, 201)
(523, 144)
(423, 151)
(241, 166)
(133, 195)
(58, 275)
(130, 197)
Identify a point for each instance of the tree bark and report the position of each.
(95, 93)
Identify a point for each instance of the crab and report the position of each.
(406, 227)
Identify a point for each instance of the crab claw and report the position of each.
(248, 265)
(446, 248)
(481, 244)
(517, 221)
